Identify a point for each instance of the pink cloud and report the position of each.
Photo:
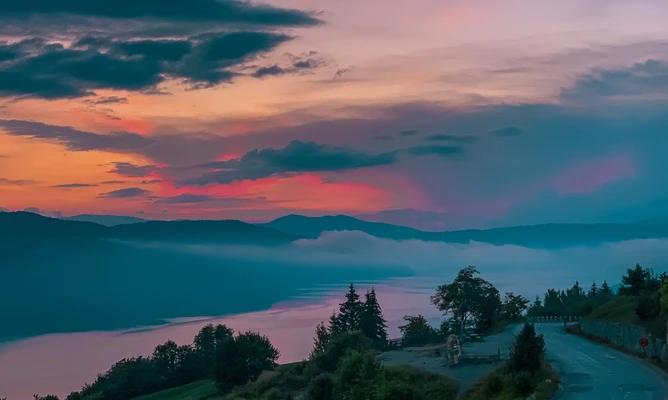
(585, 177)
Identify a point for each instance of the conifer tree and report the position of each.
(593, 291)
(605, 289)
(350, 311)
(321, 340)
(372, 323)
(526, 352)
(336, 327)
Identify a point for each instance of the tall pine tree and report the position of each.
(321, 340)
(593, 291)
(605, 289)
(335, 325)
(372, 323)
(350, 311)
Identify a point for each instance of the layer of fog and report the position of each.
(520, 269)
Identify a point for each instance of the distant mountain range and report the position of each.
(22, 231)
(538, 236)
(106, 220)
(27, 228)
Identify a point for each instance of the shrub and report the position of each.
(322, 387)
(400, 391)
(648, 305)
(523, 383)
(494, 384)
(338, 347)
(356, 376)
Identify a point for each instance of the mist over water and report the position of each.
(79, 312)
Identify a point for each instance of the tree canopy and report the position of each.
(469, 298)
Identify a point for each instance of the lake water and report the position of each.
(61, 363)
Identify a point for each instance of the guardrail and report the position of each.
(554, 318)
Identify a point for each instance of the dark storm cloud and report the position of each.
(132, 170)
(53, 71)
(508, 131)
(124, 193)
(67, 12)
(151, 182)
(74, 185)
(641, 79)
(408, 132)
(296, 157)
(441, 151)
(451, 138)
(76, 140)
(112, 182)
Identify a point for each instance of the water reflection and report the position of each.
(61, 363)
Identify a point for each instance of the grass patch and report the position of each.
(622, 309)
(193, 391)
(426, 385)
(503, 384)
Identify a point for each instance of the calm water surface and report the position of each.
(61, 363)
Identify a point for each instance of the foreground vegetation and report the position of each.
(219, 364)
(642, 299)
(526, 373)
(344, 365)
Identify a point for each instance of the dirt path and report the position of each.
(425, 358)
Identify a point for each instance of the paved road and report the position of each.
(590, 371)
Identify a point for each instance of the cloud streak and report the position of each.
(296, 157)
(124, 193)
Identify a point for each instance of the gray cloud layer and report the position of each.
(124, 193)
(296, 157)
(76, 140)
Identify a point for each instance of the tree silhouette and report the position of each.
(526, 352)
(593, 290)
(350, 311)
(417, 331)
(372, 323)
(605, 289)
(321, 340)
(243, 358)
(468, 296)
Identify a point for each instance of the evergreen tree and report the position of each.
(321, 340)
(372, 323)
(336, 327)
(526, 352)
(605, 289)
(535, 309)
(593, 291)
(350, 311)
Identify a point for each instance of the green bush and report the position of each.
(495, 384)
(400, 391)
(356, 376)
(322, 387)
(338, 347)
(523, 383)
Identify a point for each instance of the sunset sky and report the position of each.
(440, 114)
